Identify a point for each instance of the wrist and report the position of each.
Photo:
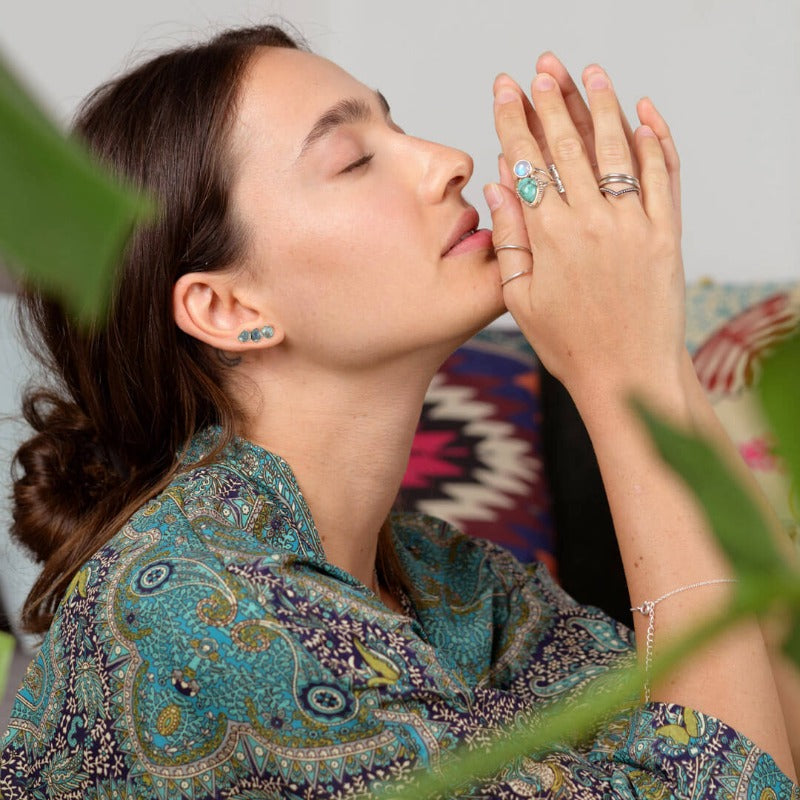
(607, 403)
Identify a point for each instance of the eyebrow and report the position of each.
(348, 111)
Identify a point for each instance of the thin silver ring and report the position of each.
(515, 276)
(619, 177)
(513, 247)
(553, 170)
(606, 190)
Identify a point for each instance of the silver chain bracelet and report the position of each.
(649, 608)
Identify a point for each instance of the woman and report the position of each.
(232, 610)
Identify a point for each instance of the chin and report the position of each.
(477, 322)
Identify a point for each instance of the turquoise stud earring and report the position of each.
(255, 335)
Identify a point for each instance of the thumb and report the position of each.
(510, 239)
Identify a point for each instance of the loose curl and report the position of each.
(129, 394)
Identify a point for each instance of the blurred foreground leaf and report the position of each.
(737, 521)
(779, 389)
(63, 220)
(792, 644)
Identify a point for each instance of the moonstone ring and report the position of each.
(530, 187)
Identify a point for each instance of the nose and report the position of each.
(445, 171)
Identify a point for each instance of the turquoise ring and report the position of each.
(530, 187)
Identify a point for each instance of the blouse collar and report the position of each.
(273, 479)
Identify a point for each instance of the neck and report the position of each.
(347, 439)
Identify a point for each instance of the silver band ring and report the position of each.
(513, 247)
(619, 177)
(606, 190)
(515, 276)
(553, 170)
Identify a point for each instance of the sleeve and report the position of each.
(550, 646)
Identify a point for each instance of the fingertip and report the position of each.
(589, 70)
(647, 131)
(502, 78)
(543, 82)
(548, 57)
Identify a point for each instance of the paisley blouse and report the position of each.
(209, 650)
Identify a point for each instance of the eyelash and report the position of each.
(362, 162)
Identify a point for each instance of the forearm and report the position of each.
(774, 629)
(665, 544)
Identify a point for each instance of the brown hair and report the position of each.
(128, 395)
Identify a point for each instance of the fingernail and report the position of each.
(646, 130)
(493, 195)
(506, 95)
(543, 83)
(598, 81)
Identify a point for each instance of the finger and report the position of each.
(508, 228)
(611, 144)
(656, 185)
(626, 126)
(516, 139)
(576, 105)
(506, 177)
(564, 141)
(535, 127)
(649, 115)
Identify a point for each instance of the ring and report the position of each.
(606, 190)
(515, 276)
(552, 169)
(530, 188)
(619, 177)
(513, 247)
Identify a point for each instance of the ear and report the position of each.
(212, 307)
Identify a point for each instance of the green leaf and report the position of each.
(63, 220)
(779, 390)
(7, 645)
(791, 645)
(735, 518)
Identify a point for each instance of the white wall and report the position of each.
(726, 73)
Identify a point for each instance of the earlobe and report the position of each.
(212, 308)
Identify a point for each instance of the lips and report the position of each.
(467, 225)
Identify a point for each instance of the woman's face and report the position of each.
(351, 221)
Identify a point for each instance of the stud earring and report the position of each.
(255, 335)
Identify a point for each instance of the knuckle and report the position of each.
(567, 148)
(664, 242)
(508, 114)
(597, 224)
(614, 151)
(505, 233)
(656, 180)
(520, 149)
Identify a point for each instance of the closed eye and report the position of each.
(363, 161)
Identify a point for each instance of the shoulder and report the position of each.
(434, 539)
(435, 549)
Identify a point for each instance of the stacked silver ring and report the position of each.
(552, 169)
(630, 181)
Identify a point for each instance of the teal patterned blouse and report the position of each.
(210, 651)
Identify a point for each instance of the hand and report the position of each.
(604, 304)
